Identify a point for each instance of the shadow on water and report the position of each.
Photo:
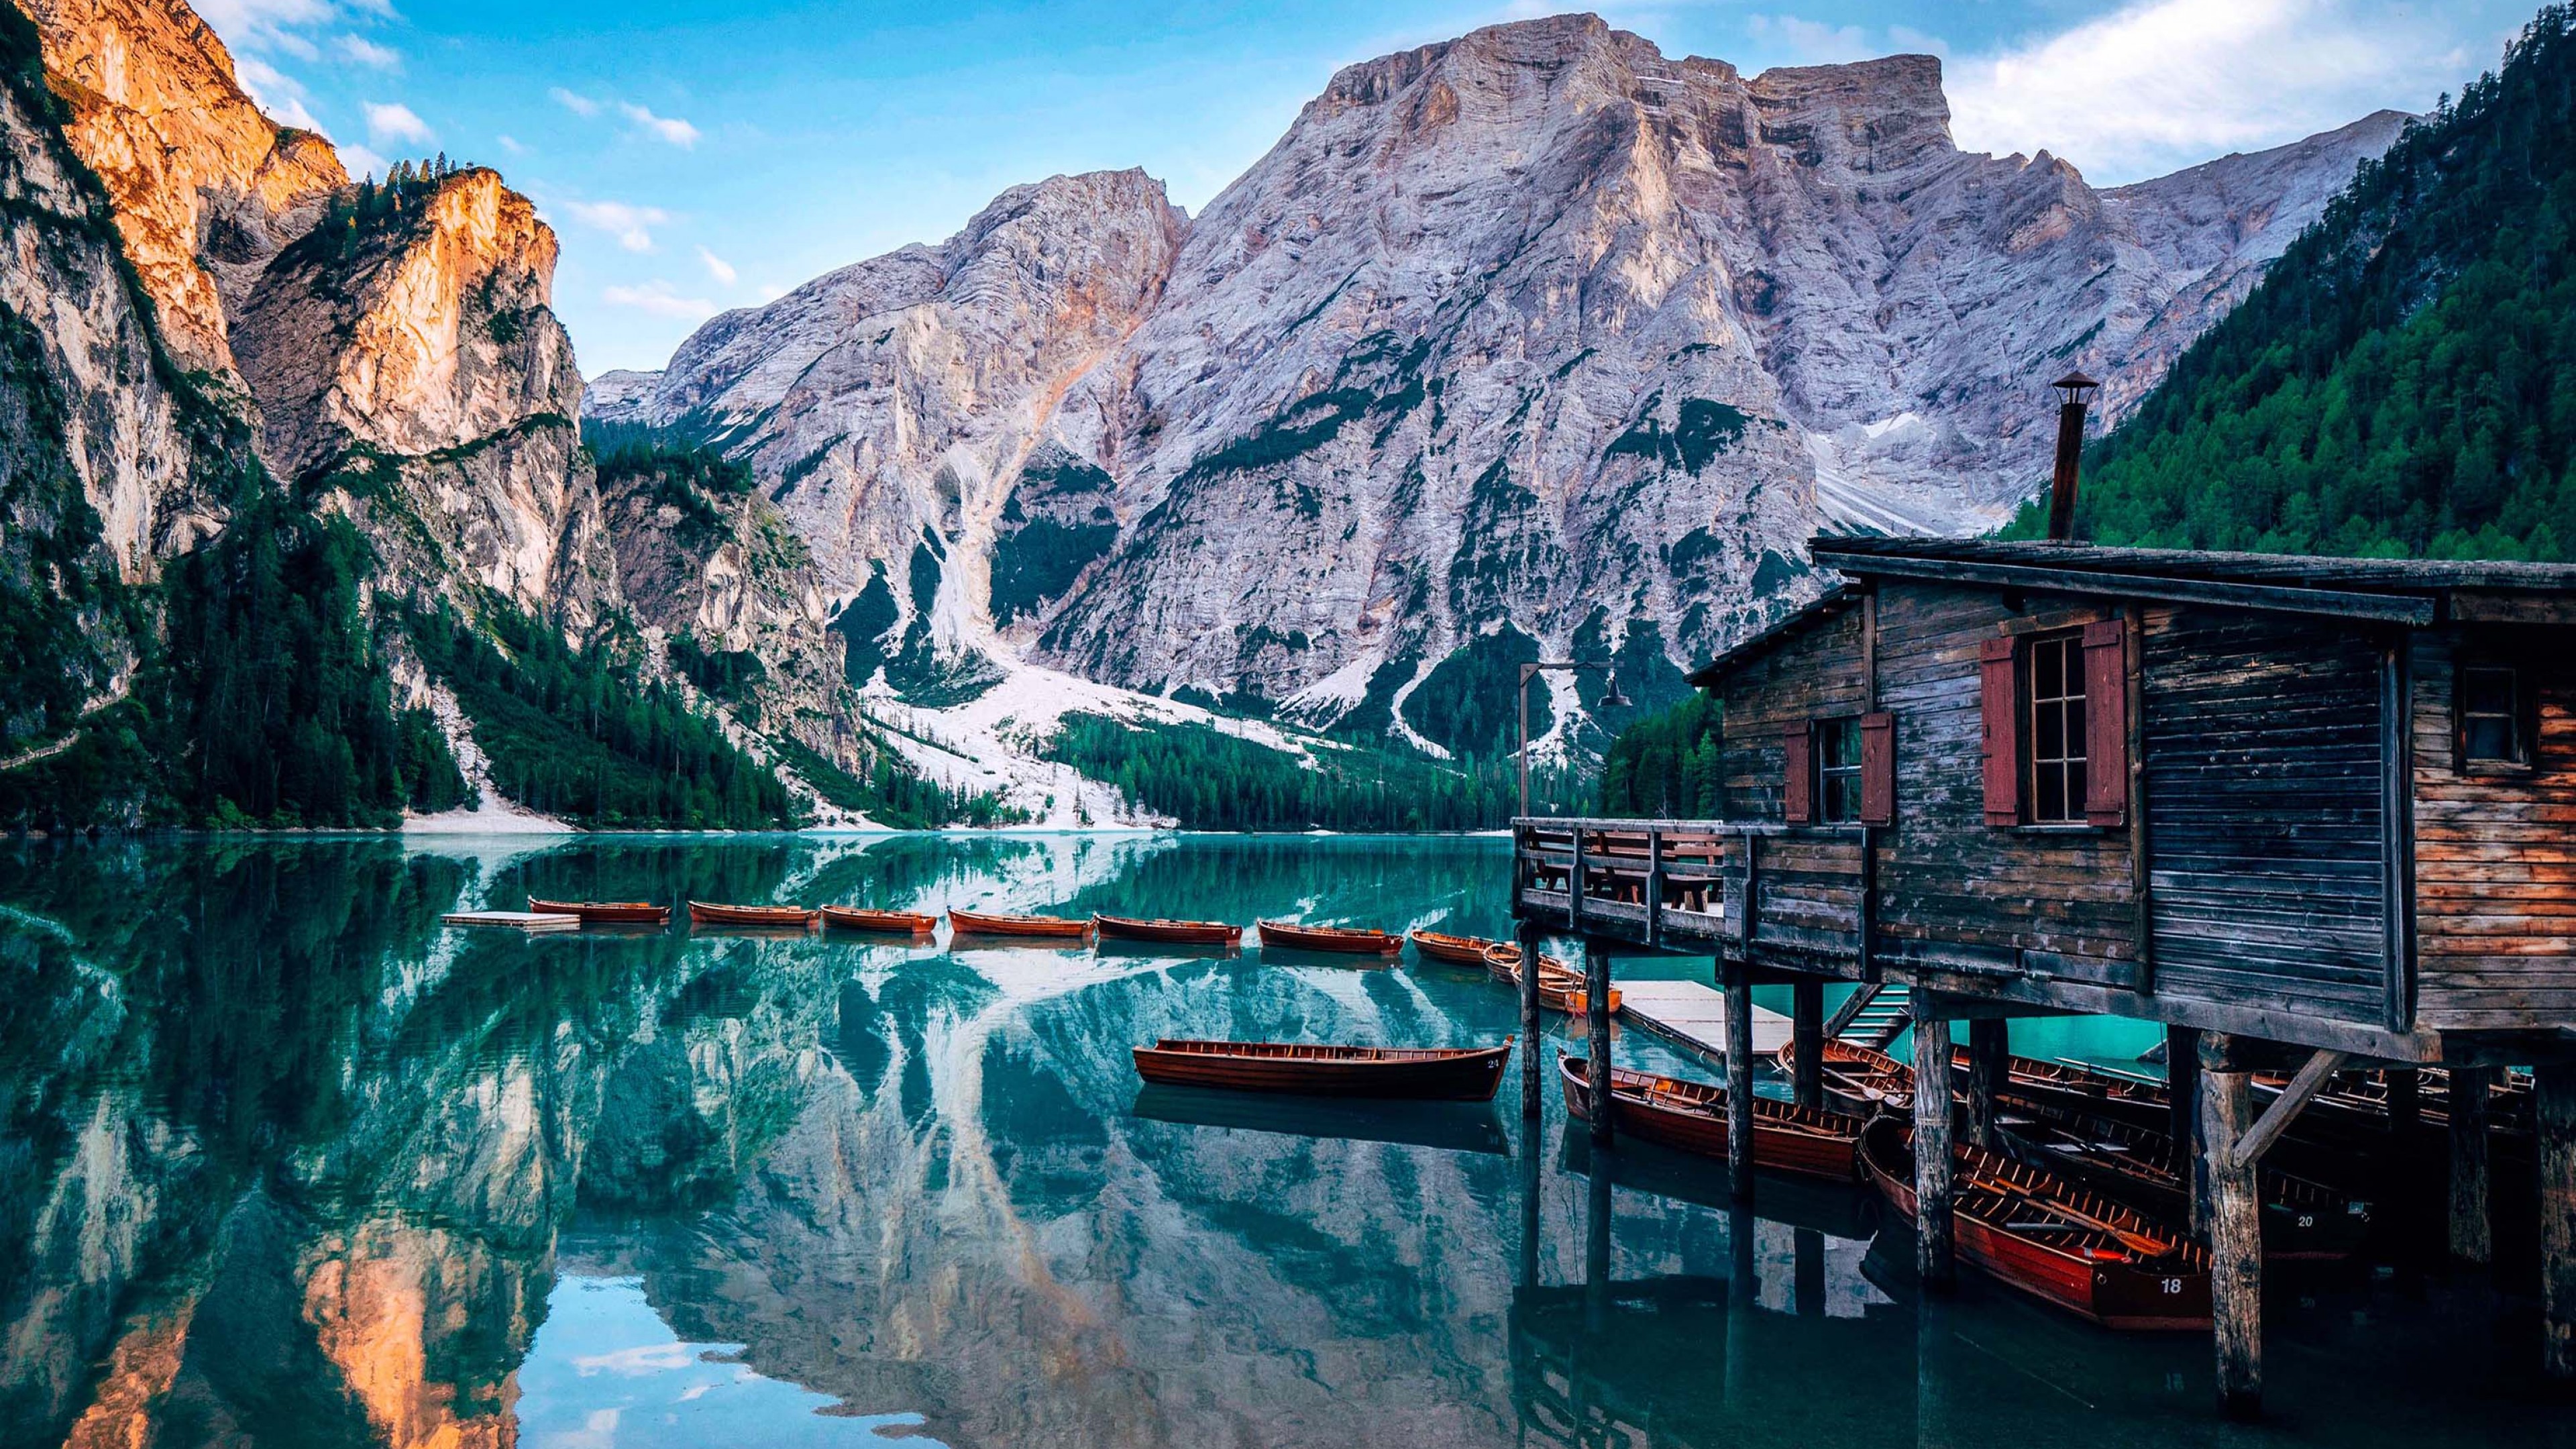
(282, 1161)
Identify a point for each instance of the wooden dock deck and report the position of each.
(1694, 1016)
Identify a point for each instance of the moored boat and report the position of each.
(776, 918)
(2138, 1166)
(896, 923)
(1174, 933)
(1858, 1079)
(1560, 986)
(1345, 940)
(1439, 1074)
(979, 923)
(605, 913)
(1453, 950)
(1691, 1117)
(2039, 1234)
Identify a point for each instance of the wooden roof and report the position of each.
(2411, 592)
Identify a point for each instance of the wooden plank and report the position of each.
(2235, 1234)
(1693, 1015)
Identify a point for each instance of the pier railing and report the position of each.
(1739, 889)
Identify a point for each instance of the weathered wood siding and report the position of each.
(1815, 675)
(2264, 784)
(1955, 892)
(2495, 854)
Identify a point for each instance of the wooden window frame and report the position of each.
(2101, 659)
(1828, 774)
(2077, 741)
(2525, 716)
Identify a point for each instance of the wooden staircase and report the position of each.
(1873, 1016)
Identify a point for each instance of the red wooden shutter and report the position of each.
(1878, 769)
(1798, 790)
(1999, 697)
(2106, 722)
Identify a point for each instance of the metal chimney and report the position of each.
(2076, 393)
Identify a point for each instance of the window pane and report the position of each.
(2048, 732)
(2047, 670)
(2490, 737)
(2078, 784)
(2051, 804)
(2075, 728)
(2487, 691)
(1842, 742)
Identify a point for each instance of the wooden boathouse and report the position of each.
(2313, 815)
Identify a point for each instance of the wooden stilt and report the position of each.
(1989, 1060)
(1934, 1259)
(1533, 1068)
(1596, 1027)
(2235, 1229)
(1739, 1081)
(1807, 1041)
(2182, 1091)
(2472, 1232)
(2554, 1088)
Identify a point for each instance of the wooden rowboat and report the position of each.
(2301, 1219)
(1174, 933)
(603, 913)
(791, 918)
(1560, 986)
(900, 923)
(1857, 1079)
(1691, 1117)
(1051, 927)
(1347, 941)
(2039, 1234)
(1438, 1074)
(1453, 950)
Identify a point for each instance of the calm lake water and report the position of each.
(286, 1162)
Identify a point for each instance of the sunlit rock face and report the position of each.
(1538, 328)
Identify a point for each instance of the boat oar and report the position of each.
(2148, 1247)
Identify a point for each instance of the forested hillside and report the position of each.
(2403, 380)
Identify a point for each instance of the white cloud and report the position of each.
(2168, 83)
(575, 102)
(510, 144)
(631, 225)
(367, 53)
(769, 291)
(661, 299)
(718, 267)
(665, 128)
(274, 24)
(388, 123)
(1813, 42)
(362, 161)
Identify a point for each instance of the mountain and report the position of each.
(1531, 342)
(2403, 381)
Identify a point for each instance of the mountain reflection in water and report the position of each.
(287, 1162)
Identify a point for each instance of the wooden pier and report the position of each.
(1693, 1017)
(2317, 817)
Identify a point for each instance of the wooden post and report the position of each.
(2182, 1094)
(2554, 1090)
(1533, 1033)
(1989, 1060)
(1934, 1260)
(2235, 1229)
(1596, 1029)
(2472, 1232)
(1807, 1041)
(1654, 888)
(2405, 1105)
(1739, 1080)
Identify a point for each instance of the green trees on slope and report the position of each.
(1210, 780)
(1665, 765)
(2403, 380)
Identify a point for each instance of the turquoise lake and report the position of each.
(288, 1162)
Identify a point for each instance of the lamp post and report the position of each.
(1611, 698)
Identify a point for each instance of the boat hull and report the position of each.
(1051, 928)
(1168, 933)
(1469, 1075)
(1785, 1138)
(2123, 1293)
(1452, 950)
(605, 913)
(1857, 1079)
(1329, 938)
(772, 918)
(888, 923)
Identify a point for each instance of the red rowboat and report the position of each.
(2044, 1236)
(1439, 1074)
(1691, 1117)
(1453, 950)
(1560, 986)
(855, 918)
(1176, 933)
(601, 913)
(1858, 1079)
(2301, 1219)
(1051, 927)
(793, 918)
(1345, 940)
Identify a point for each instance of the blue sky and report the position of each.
(699, 156)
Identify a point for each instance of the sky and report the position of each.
(699, 155)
